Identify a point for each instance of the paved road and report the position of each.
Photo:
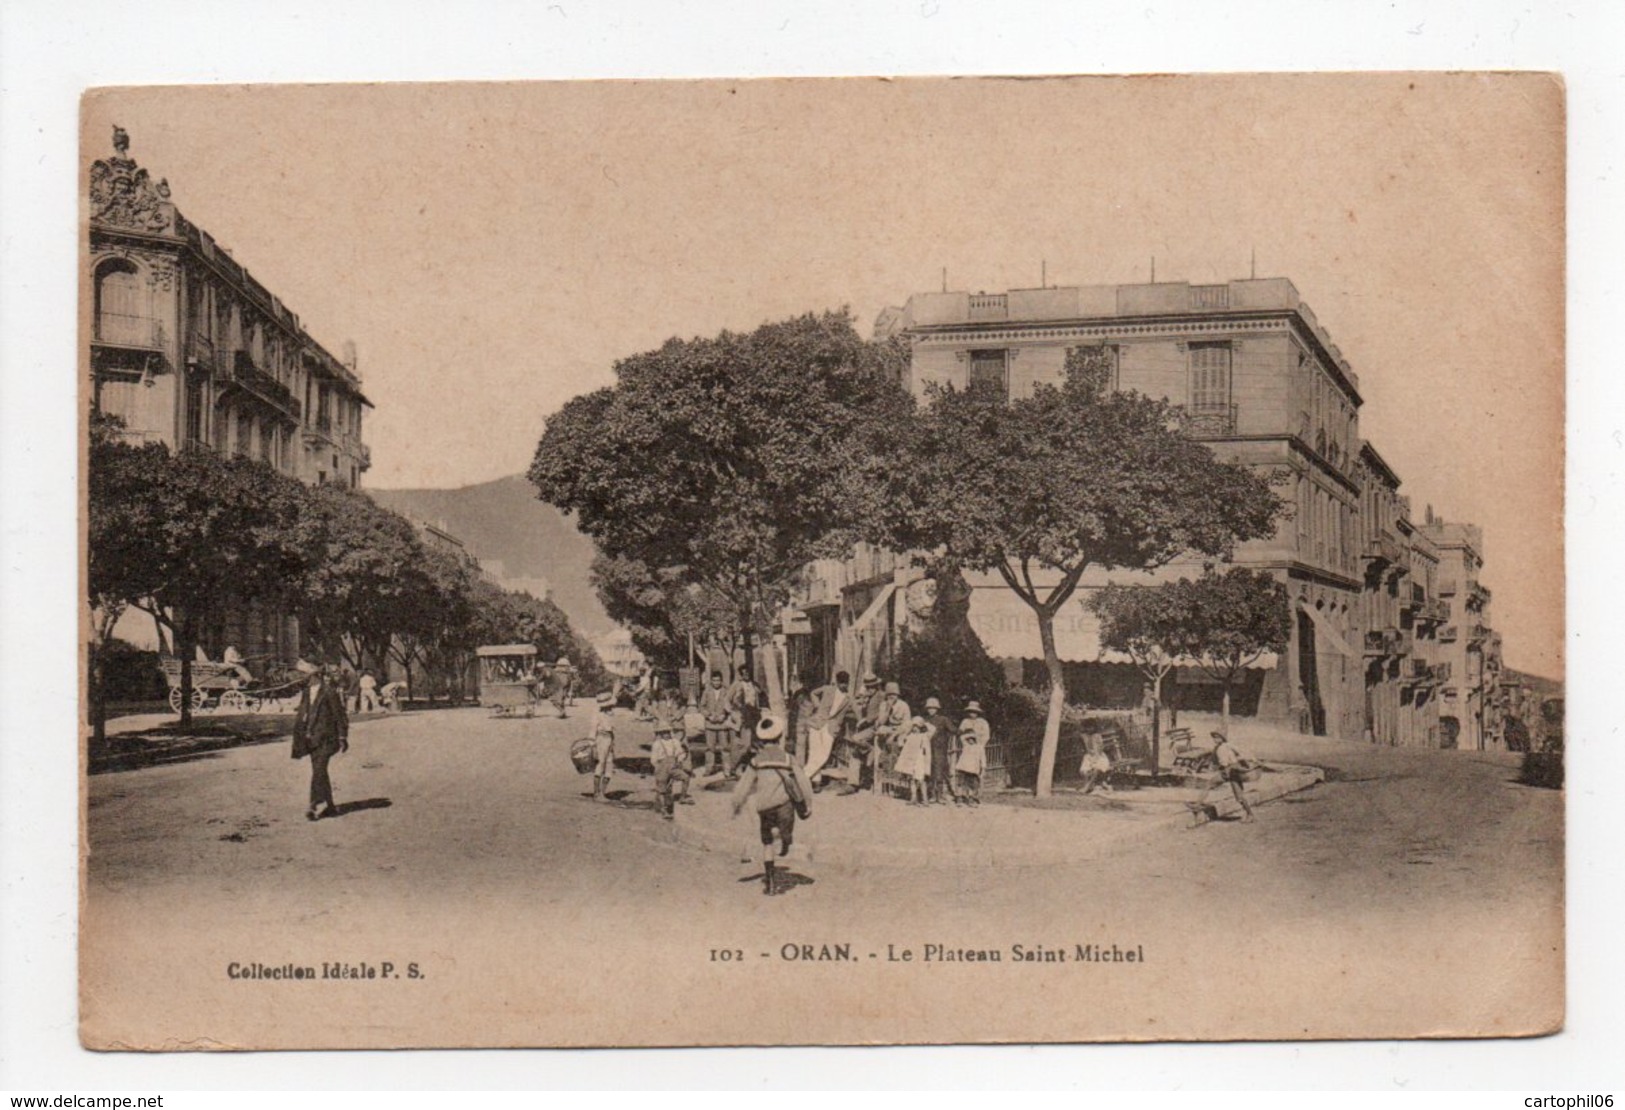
(1412, 892)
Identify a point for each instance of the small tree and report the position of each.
(1146, 623)
(1074, 476)
(1231, 621)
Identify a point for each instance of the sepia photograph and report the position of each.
(824, 561)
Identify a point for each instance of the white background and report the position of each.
(51, 51)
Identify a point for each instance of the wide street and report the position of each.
(1408, 893)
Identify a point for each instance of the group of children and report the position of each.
(938, 761)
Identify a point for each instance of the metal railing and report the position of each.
(262, 384)
(1384, 546)
(122, 329)
(1384, 641)
(1211, 420)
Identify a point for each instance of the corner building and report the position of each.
(189, 349)
(1264, 385)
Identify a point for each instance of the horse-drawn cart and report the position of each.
(221, 686)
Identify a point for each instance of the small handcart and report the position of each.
(508, 680)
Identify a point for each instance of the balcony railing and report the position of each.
(1385, 641)
(1476, 633)
(1211, 420)
(989, 306)
(120, 329)
(1210, 296)
(1384, 547)
(262, 385)
(1449, 634)
(1420, 672)
(1447, 587)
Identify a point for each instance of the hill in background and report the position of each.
(502, 522)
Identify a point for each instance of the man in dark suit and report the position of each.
(321, 730)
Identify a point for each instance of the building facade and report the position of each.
(1264, 385)
(1401, 614)
(1472, 707)
(188, 349)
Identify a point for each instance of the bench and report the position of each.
(1187, 756)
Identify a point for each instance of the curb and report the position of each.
(727, 838)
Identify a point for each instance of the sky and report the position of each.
(492, 249)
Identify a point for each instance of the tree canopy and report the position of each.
(1044, 487)
(184, 536)
(729, 463)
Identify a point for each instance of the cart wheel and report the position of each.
(175, 699)
(197, 699)
(251, 704)
(232, 701)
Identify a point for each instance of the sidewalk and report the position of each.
(870, 830)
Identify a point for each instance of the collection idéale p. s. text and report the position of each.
(934, 953)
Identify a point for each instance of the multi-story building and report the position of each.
(187, 348)
(1469, 713)
(1400, 613)
(1263, 384)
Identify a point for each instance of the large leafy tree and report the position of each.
(181, 536)
(730, 463)
(436, 628)
(370, 578)
(1074, 476)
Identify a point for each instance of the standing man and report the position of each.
(781, 791)
(942, 732)
(367, 698)
(801, 706)
(561, 680)
(745, 700)
(320, 730)
(721, 725)
(890, 722)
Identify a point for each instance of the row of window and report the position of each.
(1326, 527)
(1209, 369)
(125, 313)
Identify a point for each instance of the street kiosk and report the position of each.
(508, 680)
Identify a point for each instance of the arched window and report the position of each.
(123, 307)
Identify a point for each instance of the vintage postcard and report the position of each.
(794, 562)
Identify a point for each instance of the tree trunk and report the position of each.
(98, 696)
(1224, 710)
(1057, 703)
(1156, 727)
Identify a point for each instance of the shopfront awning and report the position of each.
(1330, 635)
